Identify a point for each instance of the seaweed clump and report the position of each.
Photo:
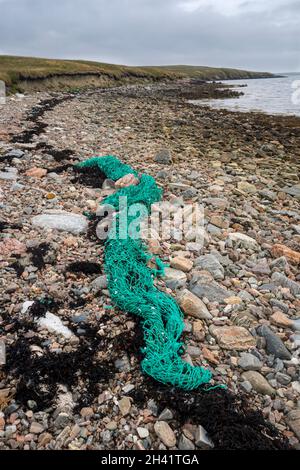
(89, 176)
(84, 267)
(39, 376)
(38, 253)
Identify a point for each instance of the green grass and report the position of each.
(214, 73)
(14, 70)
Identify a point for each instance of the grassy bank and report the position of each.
(23, 73)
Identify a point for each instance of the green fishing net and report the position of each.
(131, 286)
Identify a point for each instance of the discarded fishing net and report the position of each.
(130, 282)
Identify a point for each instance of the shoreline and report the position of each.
(240, 166)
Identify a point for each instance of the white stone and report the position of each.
(53, 323)
(61, 220)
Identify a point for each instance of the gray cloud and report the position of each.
(252, 34)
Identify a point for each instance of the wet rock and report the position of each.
(274, 345)
(211, 264)
(192, 305)
(233, 337)
(165, 433)
(61, 220)
(258, 382)
(248, 361)
(202, 440)
(163, 156)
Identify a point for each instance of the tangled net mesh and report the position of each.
(131, 286)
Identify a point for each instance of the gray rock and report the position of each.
(258, 382)
(296, 325)
(193, 351)
(123, 364)
(280, 279)
(261, 268)
(281, 263)
(248, 361)
(99, 283)
(2, 353)
(213, 229)
(165, 433)
(202, 440)
(267, 194)
(163, 156)
(283, 379)
(152, 406)
(211, 264)
(108, 184)
(175, 278)
(10, 174)
(240, 240)
(293, 420)
(185, 444)
(277, 304)
(189, 193)
(246, 386)
(15, 153)
(162, 175)
(62, 420)
(292, 190)
(217, 202)
(166, 415)
(274, 345)
(205, 286)
(61, 220)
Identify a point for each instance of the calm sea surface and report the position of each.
(269, 95)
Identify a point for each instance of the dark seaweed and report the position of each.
(38, 253)
(84, 267)
(7, 225)
(39, 376)
(229, 419)
(89, 176)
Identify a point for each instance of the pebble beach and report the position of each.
(70, 375)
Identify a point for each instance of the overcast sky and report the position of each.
(249, 34)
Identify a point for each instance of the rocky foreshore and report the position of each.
(70, 376)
